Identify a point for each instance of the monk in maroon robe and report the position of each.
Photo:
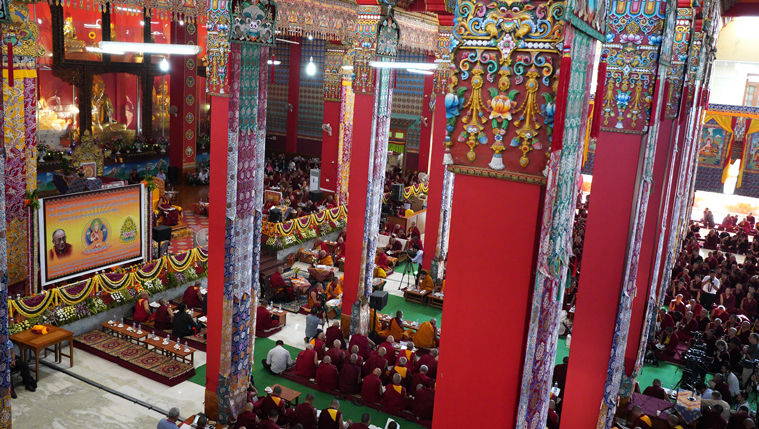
(319, 345)
(376, 361)
(401, 370)
(382, 262)
(394, 398)
(655, 390)
(264, 322)
(366, 419)
(703, 320)
(247, 418)
(305, 414)
(749, 306)
(334, 333)
(192, 296)
(727, 299)
(331, 418)
(413, 231)
(336, 355)
(271, 422)
(390, 354)
(350, 377)
(363, 343)
(327, 377)
(277, 284)
(559, 373)
(371, 387)
(744, 331)
(306, 363)
(431, 361)
(422, 378)
(273, 402)
(668, 342)
(686, 327)
(423, 403)
(410, 356)
(664, 320)
(359, 359)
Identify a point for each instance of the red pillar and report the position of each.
(359, 177)
(330, 145)
(426, 133)
(216, 253)
(293, 91)
(615, 176)
(182, 126)
(437, 171)
(649, 242)
(457, 372)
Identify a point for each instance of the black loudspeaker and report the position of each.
(173, 174)
(396, 193)
(161, 233)
(315, 196)
(275, 215)
(378, 300)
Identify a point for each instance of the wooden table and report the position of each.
(28, 340)
(278, 314)
(435, 301)
(170, 351)
(406, 324)
(288, 394)
(415, 296)
(192, 419)
(195, 313)
(123, 332)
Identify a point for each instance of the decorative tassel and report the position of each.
(560, 107)
(10, 64)
(496, 163)
(598, 99)
(448, 159)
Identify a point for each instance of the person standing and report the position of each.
(709, 287)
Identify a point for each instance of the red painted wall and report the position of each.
(477, 322)
(362, 133)
(648, 243)
(330, 145)
(604, 256)
(217, 229)
(412, 161)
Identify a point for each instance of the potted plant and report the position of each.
(163, 143)
(42, 150)
(118, 143)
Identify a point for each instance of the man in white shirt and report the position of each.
(709, 288)
(741, 400)
(278, 359)
(732, 381)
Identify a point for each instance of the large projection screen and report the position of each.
(90, 231)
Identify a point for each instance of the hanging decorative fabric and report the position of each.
(418, 32)
(325, 19)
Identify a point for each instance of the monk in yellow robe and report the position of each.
(426, 335)
(334, 290)
(325, 259)
(425, 282)
(395, 328)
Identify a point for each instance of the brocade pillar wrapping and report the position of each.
(556, 235)
(425, 133)
(345, 142)
(632, 105)
(5, 352)
(184, 95)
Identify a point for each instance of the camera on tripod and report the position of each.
(695, 360)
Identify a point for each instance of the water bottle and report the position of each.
(555, 389)
(280, 306)
(568, 341)
(134, 326)
(153, 334)
(122, 321)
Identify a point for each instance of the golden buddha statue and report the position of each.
(161, 104)
(70, 41)
(102, 109)
(48, 118)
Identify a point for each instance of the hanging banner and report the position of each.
(714, 141)
(89, 231)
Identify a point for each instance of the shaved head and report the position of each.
(327, 359)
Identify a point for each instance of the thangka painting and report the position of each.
(711, 151)
(752, 153)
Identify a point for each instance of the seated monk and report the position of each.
(164, 317)
(744, 331)
(429, 360)
(142, 311)
(314, 300)
(340, 249)
(327, 377)
(350, 376)
(334, 333)
(320, 245)
(305, 414)
(376, 361)
(279, 285)
(721, 313)
(365, 345)
(325, 259)
(306, 363)
(335, 353)
(371, 387)
(426, 335)
(332, 418)
(264, 320)
(334, 289)
(655, 390)
(664, 320)
(409, 354)
(686, 327)
(727, 300)
(425, 282)
(394, 399)
(400, 369)
(389, 349)
(170, 214)
(677, 304)
(421, 378)
(247, 418)
(749, 306)
(395, 327)
(383, 265)
(413, 231)
(719, 330)
(668, 342)
(275, 403)
(192, 297)
(640, 420)
(423, 403)
(359, 359)
(366, 419)
(393, 247)
(319, 345)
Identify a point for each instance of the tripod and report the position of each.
(407, 269)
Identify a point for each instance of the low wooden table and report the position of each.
(192, 419)
(28, 340)
(406, 324)
(170, 351)
(435, 301)
(280, 315)
(415, 296)
(288, 394)
(123, 332)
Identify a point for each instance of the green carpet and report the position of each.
(322, 401)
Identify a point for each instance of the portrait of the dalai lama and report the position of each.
(61, 249)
